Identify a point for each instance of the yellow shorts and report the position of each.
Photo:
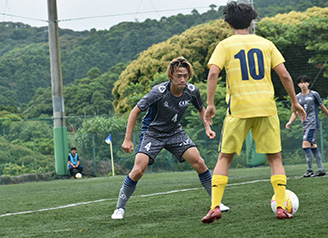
(265, 131)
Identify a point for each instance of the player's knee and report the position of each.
(199, 164)
(137, 173)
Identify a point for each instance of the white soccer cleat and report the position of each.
(224, 208)
(118, 214)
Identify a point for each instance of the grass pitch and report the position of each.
(173, 207)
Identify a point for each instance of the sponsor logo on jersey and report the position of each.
(184, 103)
(162, 89)
(308, 98)
(191, 87)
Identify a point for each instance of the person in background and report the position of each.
(74, 162)
(310, 100)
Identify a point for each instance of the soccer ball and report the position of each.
(291, 202)
(78, 175)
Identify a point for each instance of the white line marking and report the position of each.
(110, 199)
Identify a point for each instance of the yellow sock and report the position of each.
(219, 183)
(279, 186)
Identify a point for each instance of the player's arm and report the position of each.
(211, 134)
(324, 109)
(212, 81)
(78, 162)
(69, 161)
(287, 81)
(127, 143)
(291, 119)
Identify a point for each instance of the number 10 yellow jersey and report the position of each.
(248, 60)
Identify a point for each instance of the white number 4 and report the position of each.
(175, 118)
(148, 146)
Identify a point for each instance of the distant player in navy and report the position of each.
(310, 100)
(161, 128)
(74, 162)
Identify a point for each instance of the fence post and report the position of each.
(35, 160)
(321, 141)
(94, 153)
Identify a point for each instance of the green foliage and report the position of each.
(87, 96)
(271, 8)
(19, 157)
(10, 169)
(24, 54)
(95, 131)
(198, 43)
(302, 39)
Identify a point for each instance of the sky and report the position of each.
(80, 15)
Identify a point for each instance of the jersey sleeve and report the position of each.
(218, 57)
(317, 98)
(276, 57)
(196, 99)
(154, 95)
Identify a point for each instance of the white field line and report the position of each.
(110, 199)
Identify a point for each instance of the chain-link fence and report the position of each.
(27, 147)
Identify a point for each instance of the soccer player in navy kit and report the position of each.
(161, 128)
(310, 100)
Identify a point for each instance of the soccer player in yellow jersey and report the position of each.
(248, 60)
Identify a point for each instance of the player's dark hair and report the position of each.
(303, 79)
(73, 148)
(177, 63)
(239, 16)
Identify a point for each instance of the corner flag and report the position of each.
(109, 139)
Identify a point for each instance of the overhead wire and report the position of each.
(106, 16)
(135, 16)
(151, 2)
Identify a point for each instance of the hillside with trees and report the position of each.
(24, 54)
(96, 86)
(290, 32)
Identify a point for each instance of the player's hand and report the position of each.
(209, 114)
(288, 125)
(127, 146)
(297, 108)
(211, 134)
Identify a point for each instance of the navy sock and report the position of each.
(126, 191)
(317, 157)
(309, 157)
(206, 180)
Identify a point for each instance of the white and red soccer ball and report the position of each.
(291, 202)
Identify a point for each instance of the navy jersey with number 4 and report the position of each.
(310, 103)
(164, 109)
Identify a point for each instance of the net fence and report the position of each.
(34, 148)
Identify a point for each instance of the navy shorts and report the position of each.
(152, 143)
(309, 135)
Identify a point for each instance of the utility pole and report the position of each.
(60, 130)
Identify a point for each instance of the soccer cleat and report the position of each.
(283, 214)
(224, 208)
(319, 173)
(118, 214)
(212, 215)
(308, 173)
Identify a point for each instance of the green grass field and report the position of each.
(175, 214)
